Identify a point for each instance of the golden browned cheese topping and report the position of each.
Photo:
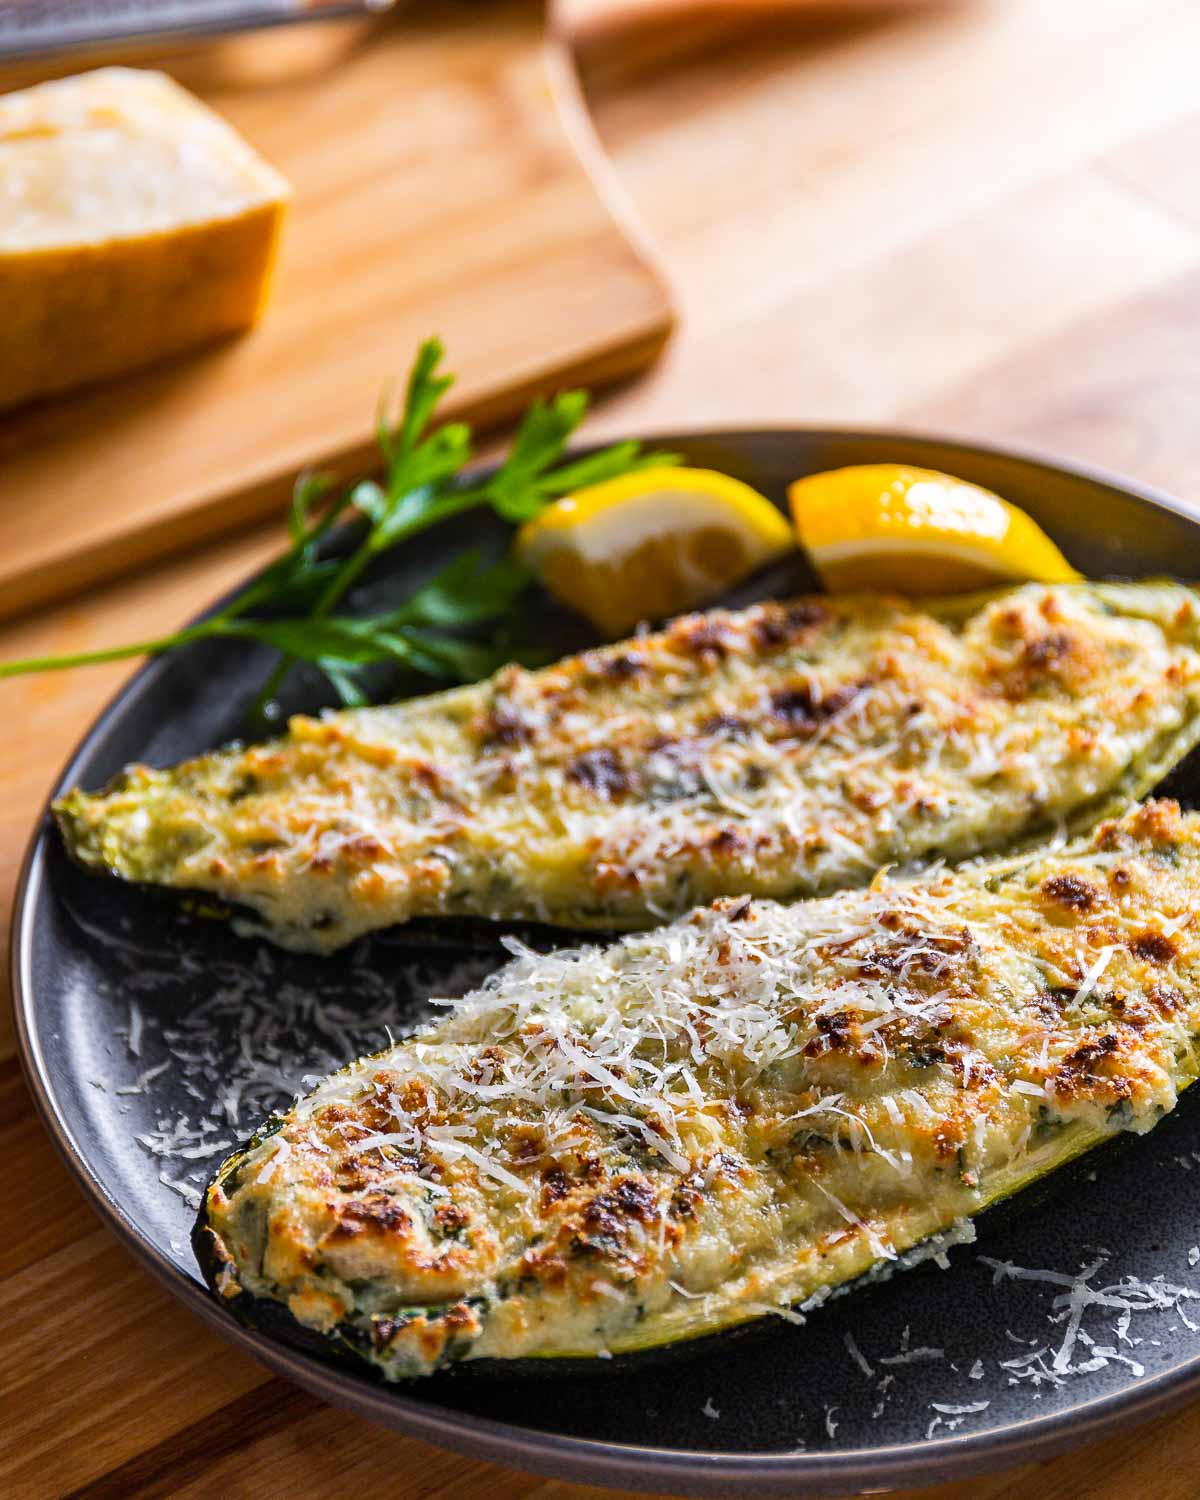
(786, 750)
(613, 1148)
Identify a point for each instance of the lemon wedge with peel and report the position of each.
(652, 543)
(915, 531)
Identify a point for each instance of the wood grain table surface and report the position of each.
(981, 217)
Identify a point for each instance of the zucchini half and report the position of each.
(786, 750)
(612, 1151)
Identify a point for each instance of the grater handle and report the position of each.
(33, 28)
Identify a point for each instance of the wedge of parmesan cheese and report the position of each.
(134, 223)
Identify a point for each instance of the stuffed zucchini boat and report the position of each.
(614, 1149)
(786, 750)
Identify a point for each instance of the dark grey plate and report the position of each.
(778, 1410)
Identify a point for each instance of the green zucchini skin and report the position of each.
(915, 1054)
(344, 1347)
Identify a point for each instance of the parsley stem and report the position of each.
(351, 570)
(270, 689)
(420, 488)
(110, 653)
(368, 549)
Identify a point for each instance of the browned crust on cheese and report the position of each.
(736, 1111)
(785, 750)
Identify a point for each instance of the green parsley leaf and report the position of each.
(290, 607)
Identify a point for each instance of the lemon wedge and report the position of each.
(650, 544)
(915, 531)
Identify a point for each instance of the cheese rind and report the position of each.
(134, 223)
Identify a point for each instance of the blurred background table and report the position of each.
(980, 217)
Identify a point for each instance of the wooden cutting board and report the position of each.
(446, 182)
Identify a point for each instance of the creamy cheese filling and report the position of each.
(783, 751)
(607, 1149)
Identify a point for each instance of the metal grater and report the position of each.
(30, 28)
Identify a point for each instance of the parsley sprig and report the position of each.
(293, 605)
